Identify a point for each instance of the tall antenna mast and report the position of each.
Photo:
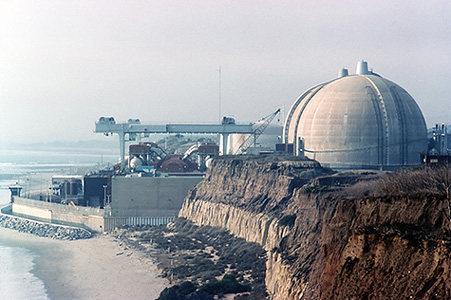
(219, 70)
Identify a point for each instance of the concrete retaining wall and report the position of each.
(87, 217)
(57, 207)
(39, 213)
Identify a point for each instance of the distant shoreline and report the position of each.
(96, 268)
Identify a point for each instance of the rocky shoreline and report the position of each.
(52, 231)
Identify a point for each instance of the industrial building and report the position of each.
(359, 121)
(439, 151)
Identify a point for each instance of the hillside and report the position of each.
(333, 236)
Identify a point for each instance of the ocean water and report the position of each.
(16, 279)
(33, 169)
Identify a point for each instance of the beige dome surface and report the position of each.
(357, 121)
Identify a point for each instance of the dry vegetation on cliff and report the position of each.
(420, 180)
(201, 261)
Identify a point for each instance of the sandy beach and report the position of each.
(96, 268)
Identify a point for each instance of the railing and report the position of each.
(112, 223)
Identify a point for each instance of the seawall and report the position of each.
(87, 217)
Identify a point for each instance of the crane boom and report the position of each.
(250, 140)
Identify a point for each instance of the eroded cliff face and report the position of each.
(388, 248)
(321, 243)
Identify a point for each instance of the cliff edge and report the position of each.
(332, 235)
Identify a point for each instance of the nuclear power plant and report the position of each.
(357, 121)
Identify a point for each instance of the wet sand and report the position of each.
(96, 268)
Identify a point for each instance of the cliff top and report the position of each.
(266, 158)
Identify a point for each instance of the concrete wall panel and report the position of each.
(149, 196)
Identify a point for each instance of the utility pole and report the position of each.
(219, 93)
(104, 194)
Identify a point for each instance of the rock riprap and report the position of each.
(44, 230)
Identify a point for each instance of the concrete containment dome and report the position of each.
(357, 121)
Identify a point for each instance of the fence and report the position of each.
(114, 222)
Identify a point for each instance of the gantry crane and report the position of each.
(133, 129)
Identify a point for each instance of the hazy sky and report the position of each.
(64, 64)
